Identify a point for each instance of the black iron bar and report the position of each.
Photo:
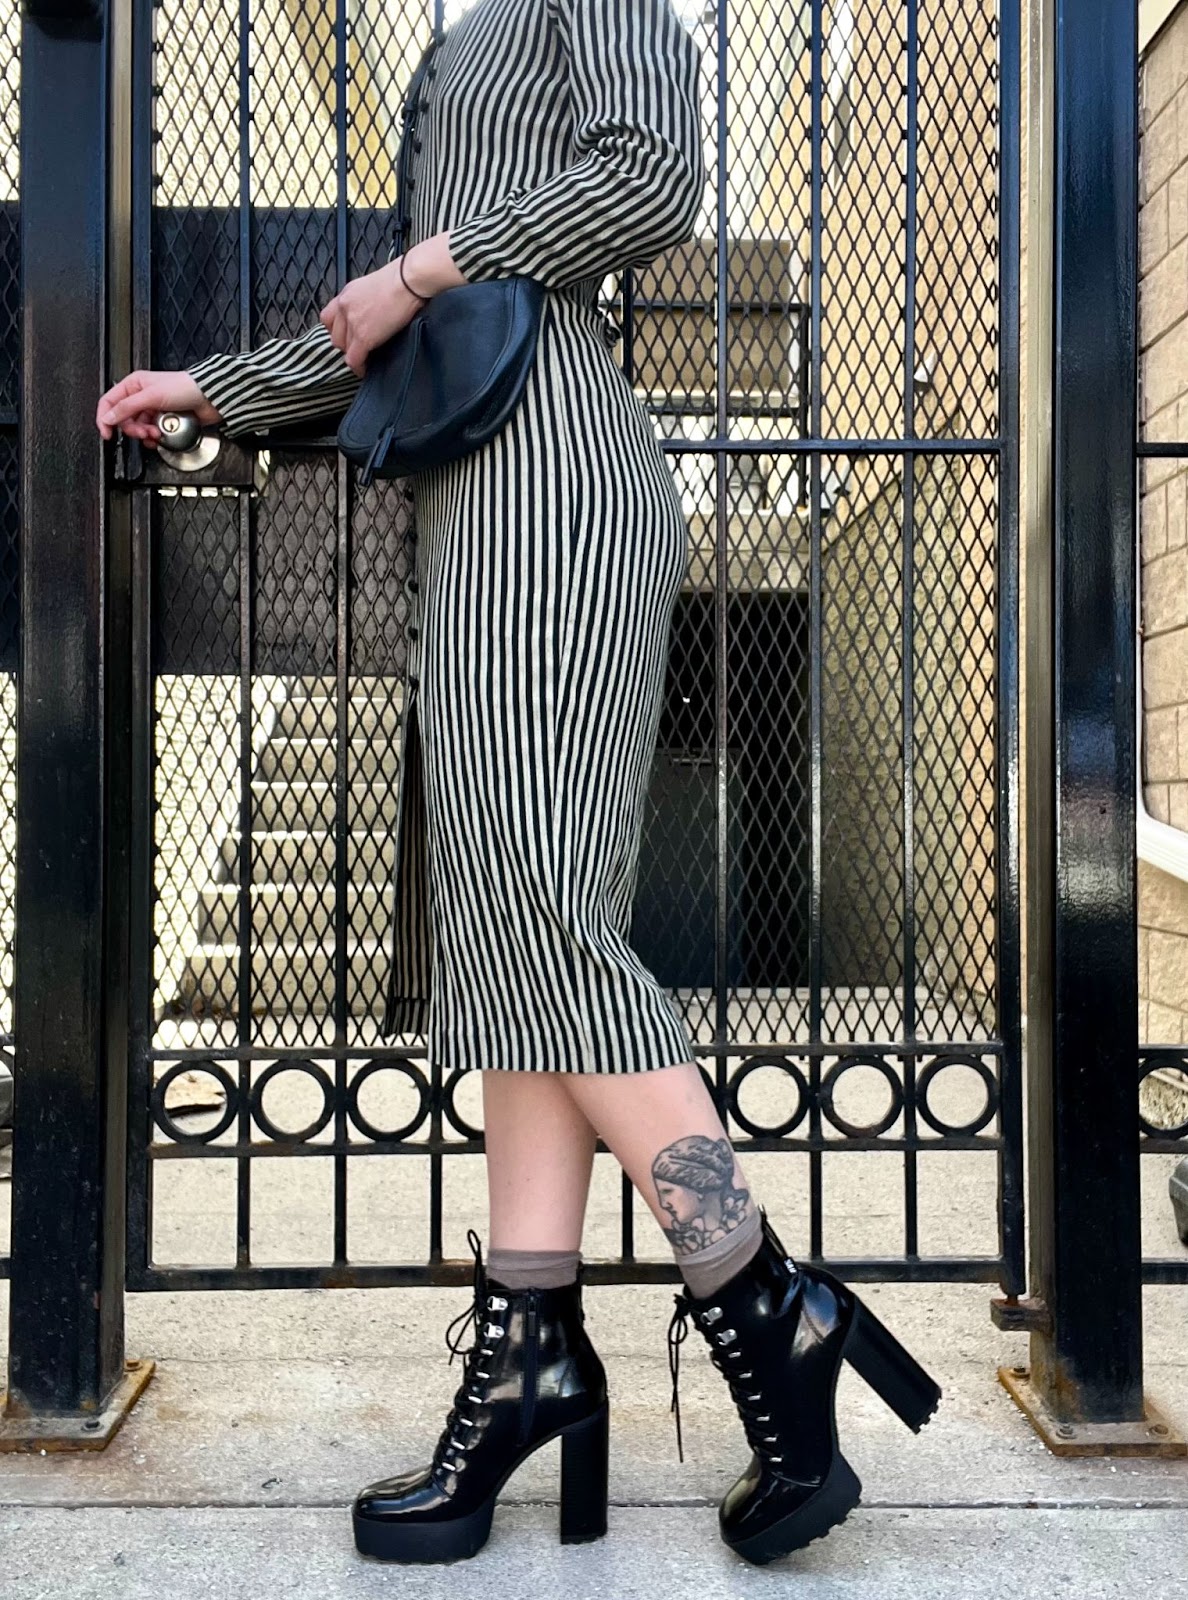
(722, 685)
(1007, 984)
(907, 623)
(816, 644)
(343, 728)
(131, 335)
(1083, 1003)
(451, 1274)
(66, 1318)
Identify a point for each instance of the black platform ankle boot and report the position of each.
(530, 1375)
(779, 1333)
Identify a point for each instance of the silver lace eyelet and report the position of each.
(493, 1331)
(714, 1314)
(726, 1336)
(497, 1302)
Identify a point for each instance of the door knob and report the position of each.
(182, 444)
(180, 430)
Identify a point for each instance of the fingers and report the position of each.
(128, 405)
(113, 395)
(139, 401)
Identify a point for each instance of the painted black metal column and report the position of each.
(68, 1379)
(1084, 1390)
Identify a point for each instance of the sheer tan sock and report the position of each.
(533, 1269)
(707, 1270)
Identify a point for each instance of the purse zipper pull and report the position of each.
(375, 459)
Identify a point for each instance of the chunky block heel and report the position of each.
(894, 1374)
(584, 1470)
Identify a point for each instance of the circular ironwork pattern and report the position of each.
(452, 1115)
(829, 1088)
(406, 1129)
(779, 1130)
(929, 1076)
(727, 1098)
(166, 1123)
(1159, 1062)
(261, 1118)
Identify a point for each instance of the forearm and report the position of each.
(282, 381)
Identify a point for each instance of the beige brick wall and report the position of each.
(1163, 339)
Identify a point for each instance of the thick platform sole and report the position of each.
(831, 1504)
(584, 1472)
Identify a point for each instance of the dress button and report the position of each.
(413, 586)
(414, 633)
(413, 681)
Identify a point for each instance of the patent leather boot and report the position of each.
(779, 1333)
(530, 1375)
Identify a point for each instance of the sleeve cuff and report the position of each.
(215, 376)
(474, 244)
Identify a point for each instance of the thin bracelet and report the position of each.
(406, 283)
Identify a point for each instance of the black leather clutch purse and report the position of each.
(449, 379)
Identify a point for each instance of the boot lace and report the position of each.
(730, 1362)
(486, 1317)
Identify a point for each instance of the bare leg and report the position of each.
(540, 1153)
(665, 1132)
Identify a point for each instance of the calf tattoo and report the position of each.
(694, 1180)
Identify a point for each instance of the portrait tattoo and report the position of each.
(694, 1180)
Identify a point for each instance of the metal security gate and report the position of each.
(829, 878)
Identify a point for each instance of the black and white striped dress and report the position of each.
(561, 139)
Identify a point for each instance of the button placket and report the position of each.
(412, 591)
(414, 111)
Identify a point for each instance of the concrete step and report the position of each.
(304, 804)
(318, 714)
(282, 855)
(287, 976)
(292, 912)
(290, 759)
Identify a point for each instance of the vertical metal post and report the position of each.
(69, 1384)
(1084, 1390)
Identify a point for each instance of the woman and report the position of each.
(563, 141)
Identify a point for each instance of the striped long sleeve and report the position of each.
(636, 187)
(281, 381)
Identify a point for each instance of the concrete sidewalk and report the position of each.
(269, 1410)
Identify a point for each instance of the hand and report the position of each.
(134, 403)
(369, 310)
(374, 307)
